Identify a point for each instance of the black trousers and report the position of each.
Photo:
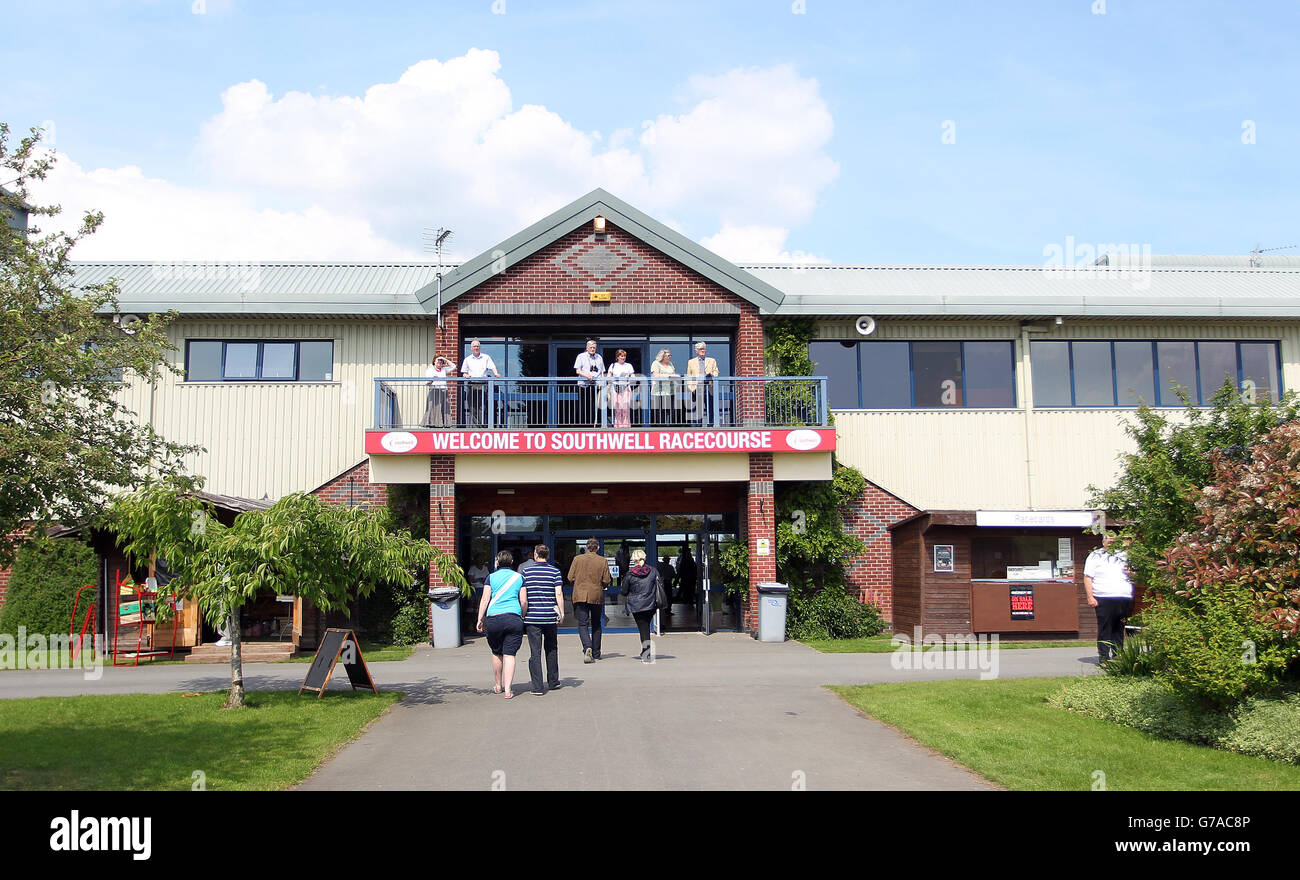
(643, 619)
(588, 626)
(1111, 614)
(474, 413)
(542, 639)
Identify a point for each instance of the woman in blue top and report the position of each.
(501, 618)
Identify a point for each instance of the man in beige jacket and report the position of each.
(701, 367)
(589, 574)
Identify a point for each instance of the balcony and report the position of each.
(569, 403)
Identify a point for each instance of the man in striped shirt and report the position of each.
(544, 589)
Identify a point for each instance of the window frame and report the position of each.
(261, 349)
(911, 373)
(1201, 398)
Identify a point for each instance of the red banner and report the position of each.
(670, 441)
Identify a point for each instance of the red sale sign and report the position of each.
(582, 441)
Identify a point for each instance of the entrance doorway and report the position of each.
(692, 543)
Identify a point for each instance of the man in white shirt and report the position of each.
(1110, 591)
(589, 366)
(477, 366)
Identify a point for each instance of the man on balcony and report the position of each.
(699, 370)
(477, 366)
(590, 367)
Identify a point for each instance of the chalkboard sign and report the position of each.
(334, 643)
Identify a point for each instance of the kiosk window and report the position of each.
(990, 556)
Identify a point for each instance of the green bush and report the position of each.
(831, 614)
(1267, 729)
(1264, 728)
(46, 575)
(1134, 657)
(411, 624)
(1216, 654)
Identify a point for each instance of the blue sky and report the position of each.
(1125, 126)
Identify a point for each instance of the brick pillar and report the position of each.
(761, 523)
(442, 514)
(446, 340)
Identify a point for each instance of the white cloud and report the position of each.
(359, 177)
(756, 244)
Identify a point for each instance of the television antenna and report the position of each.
(1255, 255)
(434, 240)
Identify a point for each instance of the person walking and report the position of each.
(544, 595)
(501, 618)
(1110, 591)
(643, 589)
(589, 574)
(686, 574)
(666, 572)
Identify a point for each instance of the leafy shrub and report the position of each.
(831, 614)
(1141, 703)
(1267, 729)
(411, 624)
(1134, 657)
(46, 575)
(1263, 728)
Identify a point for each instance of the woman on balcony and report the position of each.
(663, 390)
(436, 412)
(621, 371)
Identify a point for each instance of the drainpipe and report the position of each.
(1027, 408)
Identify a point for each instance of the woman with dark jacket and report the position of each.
(641, 589)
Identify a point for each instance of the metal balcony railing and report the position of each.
(631, 402)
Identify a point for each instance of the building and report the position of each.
(980, 402)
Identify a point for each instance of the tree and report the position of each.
(1159, 482)
(299, 546)
(67, 439)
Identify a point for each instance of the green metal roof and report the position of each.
(598, 202)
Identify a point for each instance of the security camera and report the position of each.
(865, 325)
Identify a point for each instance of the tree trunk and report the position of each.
(236, 698)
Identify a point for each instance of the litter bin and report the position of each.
(444, 604)
(772, 598)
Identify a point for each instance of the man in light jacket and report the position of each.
(589, 574)
(699, 370)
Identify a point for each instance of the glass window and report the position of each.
(990, 556)
(1094, 383)
(1135, 380)
(885, 380)
(838, 362)
(1177, 364)
(316, 361)
(241, 360)
(936, 373)
(990, 374)
(1217, 362)
(1259, 367)
(278, 360)
(204, 362)
(1050, 363)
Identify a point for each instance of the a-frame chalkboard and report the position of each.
(332, 644)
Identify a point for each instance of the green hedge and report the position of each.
(1265, 728)
(46, 575)
(831, 614)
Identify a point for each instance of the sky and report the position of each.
(865, 133)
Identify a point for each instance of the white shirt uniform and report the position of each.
(1109, 573)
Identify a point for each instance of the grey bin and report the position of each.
(444, 605)
(772, 599)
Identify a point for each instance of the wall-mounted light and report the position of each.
(599, 491)
(505, 491)
(1060, 321)
(598, 225)
(691, 491)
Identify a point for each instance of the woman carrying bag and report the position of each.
(643, 592)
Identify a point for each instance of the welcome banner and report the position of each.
(584, 441)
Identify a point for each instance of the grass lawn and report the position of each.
(881, 645)
(157, 741)
(370, 652)
(1005, 731)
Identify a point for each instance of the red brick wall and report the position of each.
(360, 492)
(761, 519)
(869, 517)
(4, 584)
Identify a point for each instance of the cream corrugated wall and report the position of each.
(272, 438)
(1013, 459)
